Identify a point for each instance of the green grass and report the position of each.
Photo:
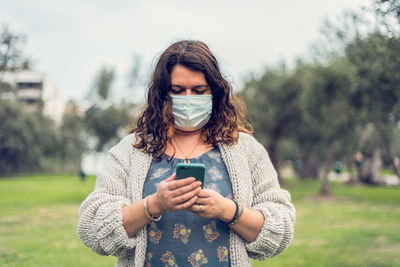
(388, 172)
(38, 221)
(358, 226)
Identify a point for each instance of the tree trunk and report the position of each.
(328, 163)
(309, 168)
(386, 135)
(352, 178)
(371, 167)
(395, 162)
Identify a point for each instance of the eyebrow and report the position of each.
(194, 87)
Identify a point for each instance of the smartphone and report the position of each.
(196, 170)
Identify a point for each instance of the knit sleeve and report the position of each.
(100, 218)
(275, 204)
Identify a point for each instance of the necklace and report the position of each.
(186, 156)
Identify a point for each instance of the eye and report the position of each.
(201, 90)
(176, 90)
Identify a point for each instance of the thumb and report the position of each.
(171, 178)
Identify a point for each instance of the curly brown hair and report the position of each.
(155, 125)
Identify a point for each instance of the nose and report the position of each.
(188, 91)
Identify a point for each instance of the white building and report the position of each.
(33, 90)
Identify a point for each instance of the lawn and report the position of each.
(358, 226)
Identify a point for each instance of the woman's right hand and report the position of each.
(173, 195)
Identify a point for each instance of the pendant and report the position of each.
(187, 161)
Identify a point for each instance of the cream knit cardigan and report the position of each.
(120, 182)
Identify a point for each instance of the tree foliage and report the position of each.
(72, 139)
(271, 119)
(103, 82)
(104, 119)
(30, 141)
(377, 96)
(11, 56)
(104, 124)
(336, 107)
(388, 7)
(22, 143)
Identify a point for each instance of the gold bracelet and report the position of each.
(148, 215)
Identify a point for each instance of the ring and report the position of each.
(200, 208)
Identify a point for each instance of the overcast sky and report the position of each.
(70, 40)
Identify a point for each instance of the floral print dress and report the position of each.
(183, 238)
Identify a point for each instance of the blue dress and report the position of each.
(183, 238)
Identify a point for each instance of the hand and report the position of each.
(174, 195)
(210, 204)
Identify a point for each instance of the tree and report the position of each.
(102, 84)
(104, 119)
(388, 8)
(326, 118)
(272, 102)
(71, 143)
(377, 63)
(28, 140)
(105, 123)
(11, 56)
(376, 136)
(135, 71)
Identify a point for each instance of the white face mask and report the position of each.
(191, 112)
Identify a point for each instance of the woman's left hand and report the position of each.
(210, 204)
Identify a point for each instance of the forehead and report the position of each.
(181, 75)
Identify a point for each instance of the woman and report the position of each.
(140, 213)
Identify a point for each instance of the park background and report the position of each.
(329, 117)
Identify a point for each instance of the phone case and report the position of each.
(195, 170)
